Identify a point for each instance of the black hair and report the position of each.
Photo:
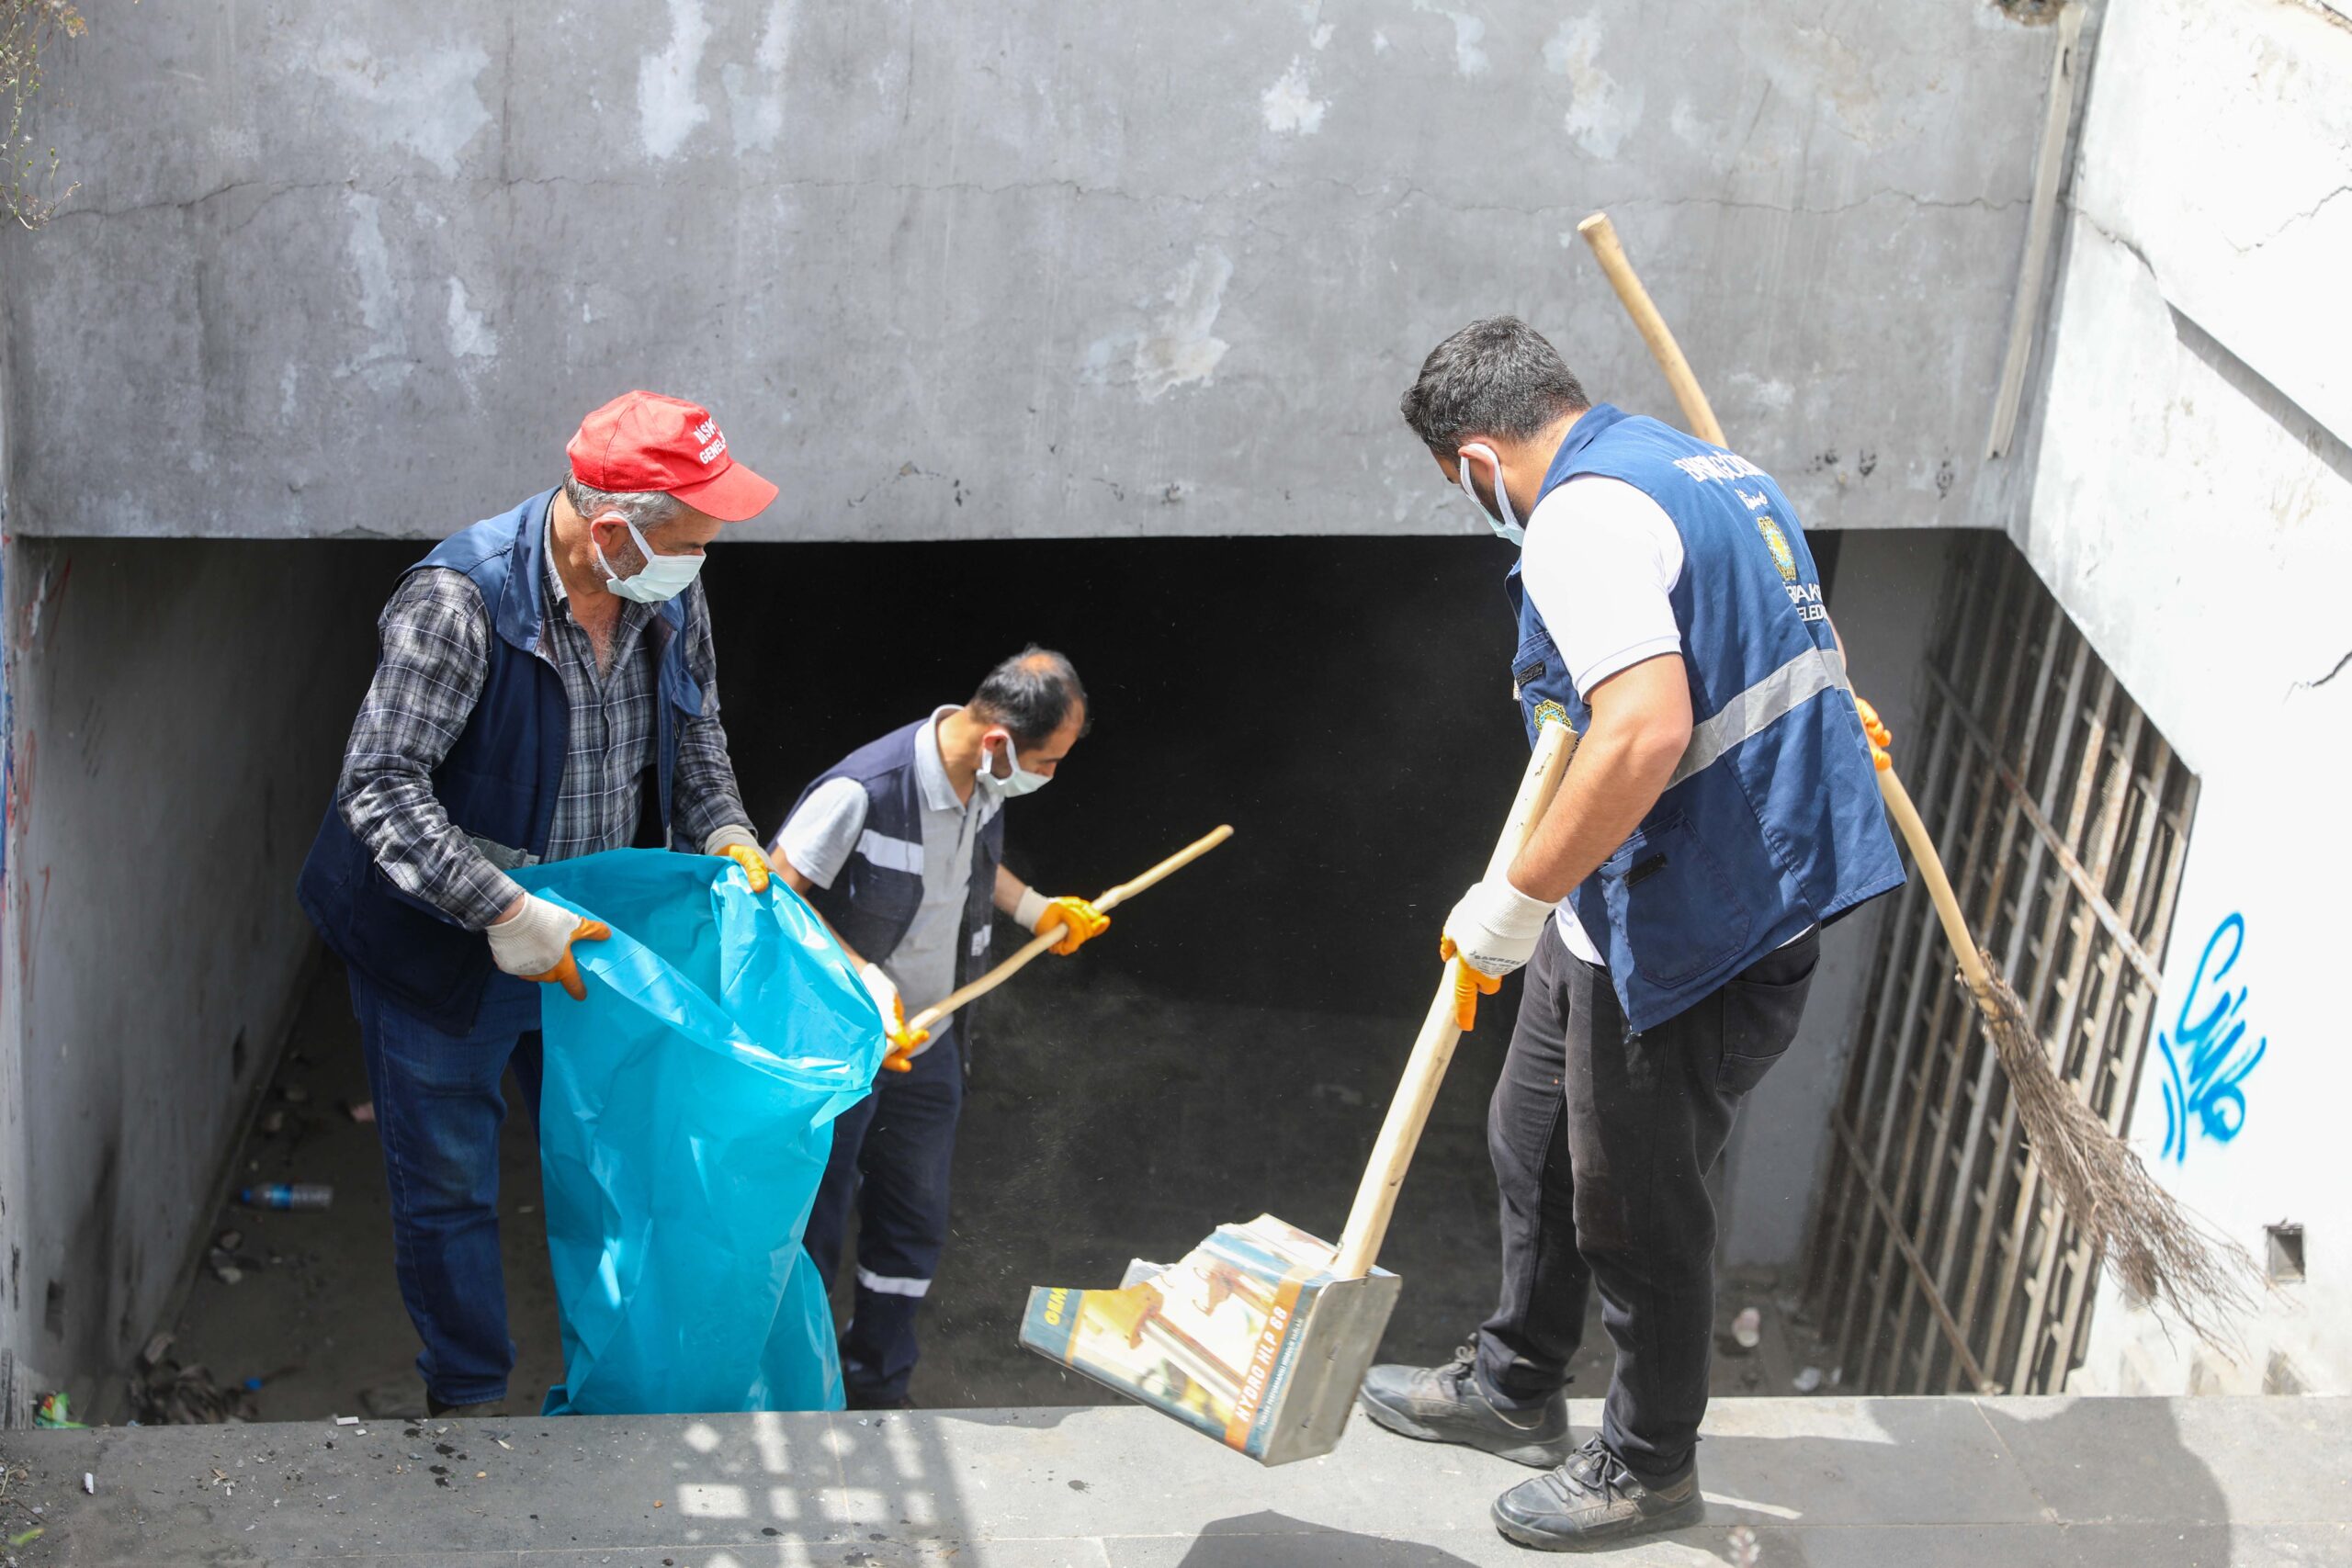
(1031, 695)
(1496, 377)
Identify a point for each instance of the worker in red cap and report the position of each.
(545, 689)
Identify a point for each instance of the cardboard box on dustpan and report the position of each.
(1262, 1334)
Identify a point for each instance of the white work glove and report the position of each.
(1493, 927)
(1493, 930)
(735, 841)
(535, 943)
(904, 1047)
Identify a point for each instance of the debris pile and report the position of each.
(165, 1393)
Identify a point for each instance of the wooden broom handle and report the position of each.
(1602, 235)
(1037, 944)
(1401, 1133)
(1931, 872)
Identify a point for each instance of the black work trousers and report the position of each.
(1602, 1140)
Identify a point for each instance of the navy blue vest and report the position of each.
(498, 782)
(1772, 822)
(874, 898)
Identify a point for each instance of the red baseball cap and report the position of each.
(644, 441)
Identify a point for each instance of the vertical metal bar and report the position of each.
(2030, 752)
(1951, 1022)
(2095, 725)
(2102, 839)
(1947, 757)
(1886, 1064)
(1956, 1023)
(2036, 676)
(2121, 1031)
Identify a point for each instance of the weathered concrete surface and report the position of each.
(948, 271)
(177, 711)
(1831, 1484)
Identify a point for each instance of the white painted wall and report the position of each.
(2192, 509)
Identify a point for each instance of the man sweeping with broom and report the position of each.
(899, 847)
(1720, 808)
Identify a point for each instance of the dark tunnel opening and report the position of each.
(1228, 1050)
(1343, 703)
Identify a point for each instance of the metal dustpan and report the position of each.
(1260, 1337)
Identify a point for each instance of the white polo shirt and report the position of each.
(819, 838)
(1600, 560)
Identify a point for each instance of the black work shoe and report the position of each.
(436, 1410)
(1445, 1404)
(1593, 1500)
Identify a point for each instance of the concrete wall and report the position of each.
(2193, 511)
(951, 271)
(1883, 598)
(16, 1162)
(178, 708)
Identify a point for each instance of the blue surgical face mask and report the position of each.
(661, 577)
(1506, 525)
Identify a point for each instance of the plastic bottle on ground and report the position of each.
(288, 1195)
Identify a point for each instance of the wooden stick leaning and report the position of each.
(2155, 1246)
(1037, 944)
(1401, 1133)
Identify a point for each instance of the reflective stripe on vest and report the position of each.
(1810, 674)
(890, 854)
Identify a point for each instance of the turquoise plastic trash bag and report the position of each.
(684, 1124)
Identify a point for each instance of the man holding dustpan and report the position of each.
(899, 848)
(1720, 808)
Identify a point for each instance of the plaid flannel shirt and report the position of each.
(434, 652)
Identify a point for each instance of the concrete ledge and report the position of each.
(1919, 1482)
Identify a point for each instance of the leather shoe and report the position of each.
(1445, 1404)
(1593, 1500)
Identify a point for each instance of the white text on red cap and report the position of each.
(714, 443)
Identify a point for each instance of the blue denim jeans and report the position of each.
(891, 1155)
(438, 1111)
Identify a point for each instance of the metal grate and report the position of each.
(1939, 1261)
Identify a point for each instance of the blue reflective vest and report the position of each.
(499, 781)
(1772, 822)
(874, 898)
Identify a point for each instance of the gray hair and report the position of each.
(646, 509)
(1031, 695)
(1496, 377)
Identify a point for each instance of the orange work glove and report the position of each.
(736, 844)
(1880, 737)
(535, 943)
(1079, 921)
(893, 1008)
(1469, 985)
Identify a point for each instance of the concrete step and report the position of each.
(1821, 1483)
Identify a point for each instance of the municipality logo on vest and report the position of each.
(1778, 542)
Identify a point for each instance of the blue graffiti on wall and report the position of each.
(2206, 1055)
